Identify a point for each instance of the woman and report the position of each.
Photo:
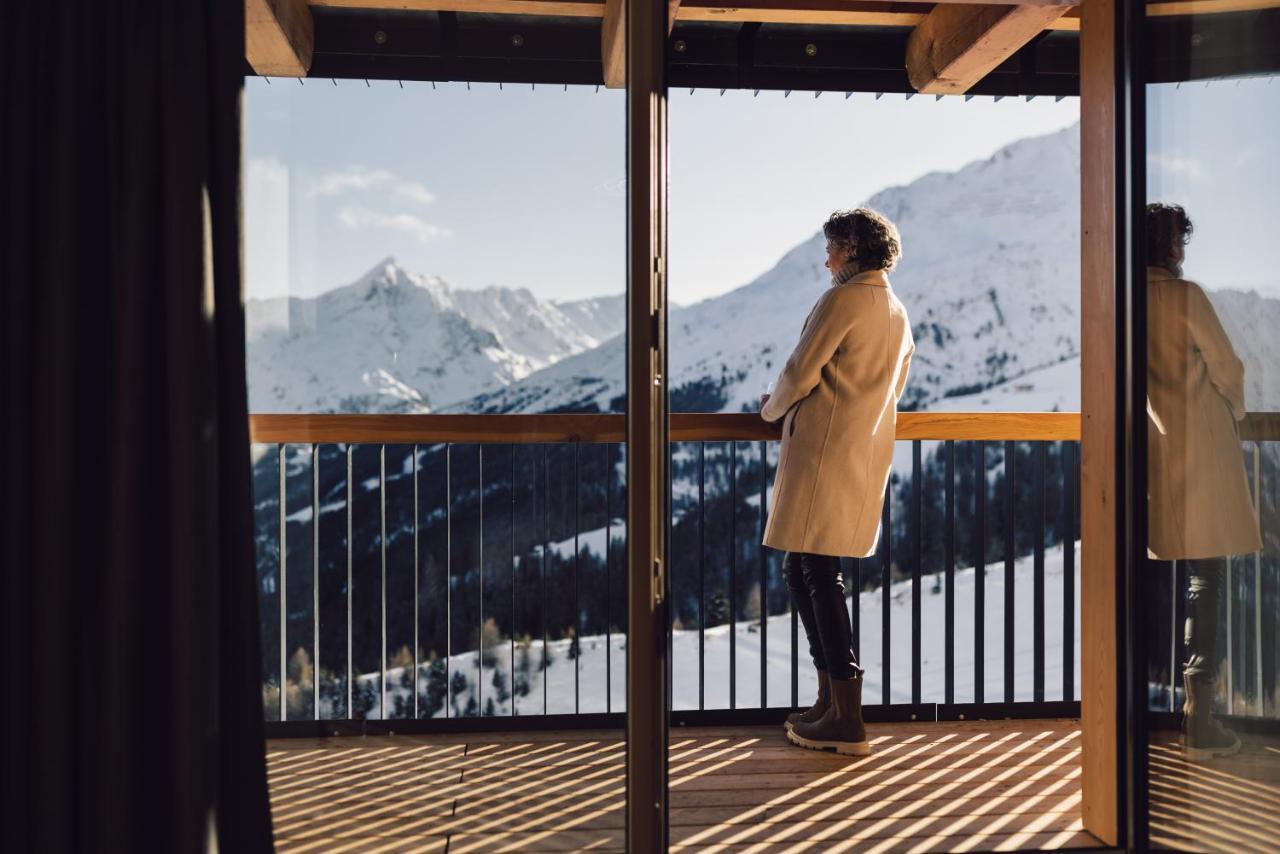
(837, 397)
(1199, 508)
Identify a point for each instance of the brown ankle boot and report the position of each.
(1203, 737)
(841, 729)
(819, 707)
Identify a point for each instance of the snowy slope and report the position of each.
(603, 663)
(990, 277)
(600, 317)
(394, 341)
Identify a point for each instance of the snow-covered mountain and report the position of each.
(989, 275)
(395, 341)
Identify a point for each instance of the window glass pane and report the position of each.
(1213, 386)
(413, 248)
(989, 275)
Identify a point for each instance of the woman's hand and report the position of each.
(764, 398)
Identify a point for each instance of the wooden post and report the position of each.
(1098, 426)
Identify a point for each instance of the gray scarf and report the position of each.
(844, 274)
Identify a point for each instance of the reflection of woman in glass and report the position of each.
(1199, 507)
(837, 398)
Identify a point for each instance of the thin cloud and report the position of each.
(414, 192)
(360, 179)
(361, 217)
(1185, 167)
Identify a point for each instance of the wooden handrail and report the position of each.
(685, 427)
(1260, 427)
(594, 427)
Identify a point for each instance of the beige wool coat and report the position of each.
(838, 395)
(1199, 504)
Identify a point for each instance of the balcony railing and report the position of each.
(442, 567)
(1248, 687)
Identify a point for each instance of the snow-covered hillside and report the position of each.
(597, 655)
(990, 277)
(395, 341)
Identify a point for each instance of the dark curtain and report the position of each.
(131, 700)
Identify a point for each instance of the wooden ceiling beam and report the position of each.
(613, 44)
(613, 40)
(279, 37)
(865, 13)
(955, 46)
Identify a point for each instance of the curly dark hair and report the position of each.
(865, 236)
(1167, 226)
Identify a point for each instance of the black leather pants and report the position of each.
(1201, 629)
(817, 592)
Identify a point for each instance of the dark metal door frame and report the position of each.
(647, 425)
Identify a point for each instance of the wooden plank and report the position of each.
(557, 8)
(970, 784)
(420, 845)
(279, 37)
(590, 427)
(1207, 7)
(848, 13)
(613, 44)
(1024, 841)
(1098, 369)
(1260, 427)
(956, 46)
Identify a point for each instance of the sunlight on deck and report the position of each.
(1229, 804)
(971, 786)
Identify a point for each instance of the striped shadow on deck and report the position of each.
(975, 785)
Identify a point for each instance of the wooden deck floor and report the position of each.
(1230, 804)
(967, 786)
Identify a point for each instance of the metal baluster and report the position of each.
(608, 578)
(315, 581)
(949, 568)
(979, 569)
(350, 647)
(511, 673)
(855, 610)
(416, 569)
(1037, 579)
(1010, 488)
(733, 574)
(668, 581)
(1173, 635)
(577, 599)
(702, 554)
(764, 584)
(448, 578)
(1257, 583)
(542, 582)
(1179, 623)
(480, 627)
(917, 531)
(282, 587)
(382, 544)
(1069, 570)
(1230, 595)
(886, 578)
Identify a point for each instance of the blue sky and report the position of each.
(525, 188)
(1212, 149)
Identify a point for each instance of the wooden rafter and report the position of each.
(613, 40)
(613, 44)
(279, 37)
(865, 13)
(955, 46)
